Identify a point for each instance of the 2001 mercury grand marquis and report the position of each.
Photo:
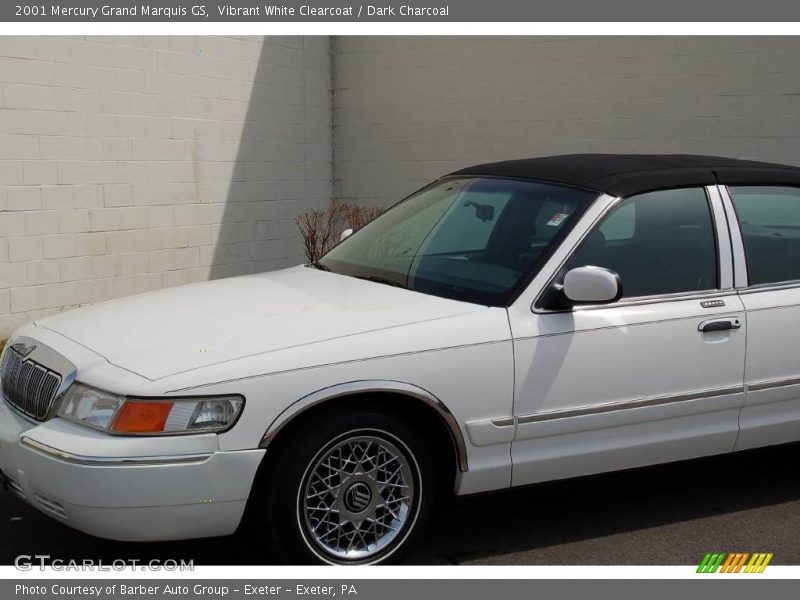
(510, 323)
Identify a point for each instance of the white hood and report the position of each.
(178, 329)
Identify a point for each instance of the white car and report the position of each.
(511, 323)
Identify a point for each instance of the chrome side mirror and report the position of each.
(592, 285)
(345, 234)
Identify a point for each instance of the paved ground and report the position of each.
(662, 515)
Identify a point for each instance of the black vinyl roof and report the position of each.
(628, 174)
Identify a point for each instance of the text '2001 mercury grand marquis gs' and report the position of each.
(510, 323)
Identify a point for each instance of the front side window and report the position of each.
(658, 243)
(474, 239)
(769, 218)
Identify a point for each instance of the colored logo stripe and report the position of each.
(711, 563)
(758, 563)
(734, 562)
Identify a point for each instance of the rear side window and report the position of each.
(659, 243)
(769, 218)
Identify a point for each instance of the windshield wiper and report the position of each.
(318, 265)
(383, 280)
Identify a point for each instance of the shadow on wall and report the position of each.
(283, 163)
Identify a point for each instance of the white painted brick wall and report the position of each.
(134, 163)
(409, 109)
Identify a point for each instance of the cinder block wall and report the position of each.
(408, 109)
(129, 164)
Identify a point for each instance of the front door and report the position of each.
(654, 377)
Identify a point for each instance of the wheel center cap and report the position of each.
(357, 497)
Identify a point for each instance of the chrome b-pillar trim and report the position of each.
(740, 275)
(724, 242)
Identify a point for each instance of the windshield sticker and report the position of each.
(557, 219)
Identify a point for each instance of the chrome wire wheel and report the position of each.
(359, 497)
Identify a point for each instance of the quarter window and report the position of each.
(769, 218)
(659, 243)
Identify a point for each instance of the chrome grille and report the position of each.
(28, 386)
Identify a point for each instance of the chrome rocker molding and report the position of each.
(624, 405)
(365, 387)
(102, 461)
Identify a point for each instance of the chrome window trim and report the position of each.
(656, 298)
(740, 277)
(627, 404)
(644, 300)
(103, 461)
(769, 287)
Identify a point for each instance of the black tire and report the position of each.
(284, 519)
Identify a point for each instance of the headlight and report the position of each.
(90, 406)
(146, 416)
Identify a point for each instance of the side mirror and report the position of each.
(345, 234)
(592, 285)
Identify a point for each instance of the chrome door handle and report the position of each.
(723, 324)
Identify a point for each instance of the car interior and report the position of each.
(519, 238)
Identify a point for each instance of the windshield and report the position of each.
(473, 239)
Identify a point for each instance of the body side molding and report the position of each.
(629, 404)
(769, 384)
(486, 432)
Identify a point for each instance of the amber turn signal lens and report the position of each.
(142, 417)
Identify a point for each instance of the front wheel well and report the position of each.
(444, 445)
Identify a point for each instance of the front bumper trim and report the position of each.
(104, 461)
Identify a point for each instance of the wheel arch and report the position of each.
(309, 404)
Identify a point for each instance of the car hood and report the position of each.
(171, 331)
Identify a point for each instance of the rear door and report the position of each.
(766, 232)
(654, 377)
